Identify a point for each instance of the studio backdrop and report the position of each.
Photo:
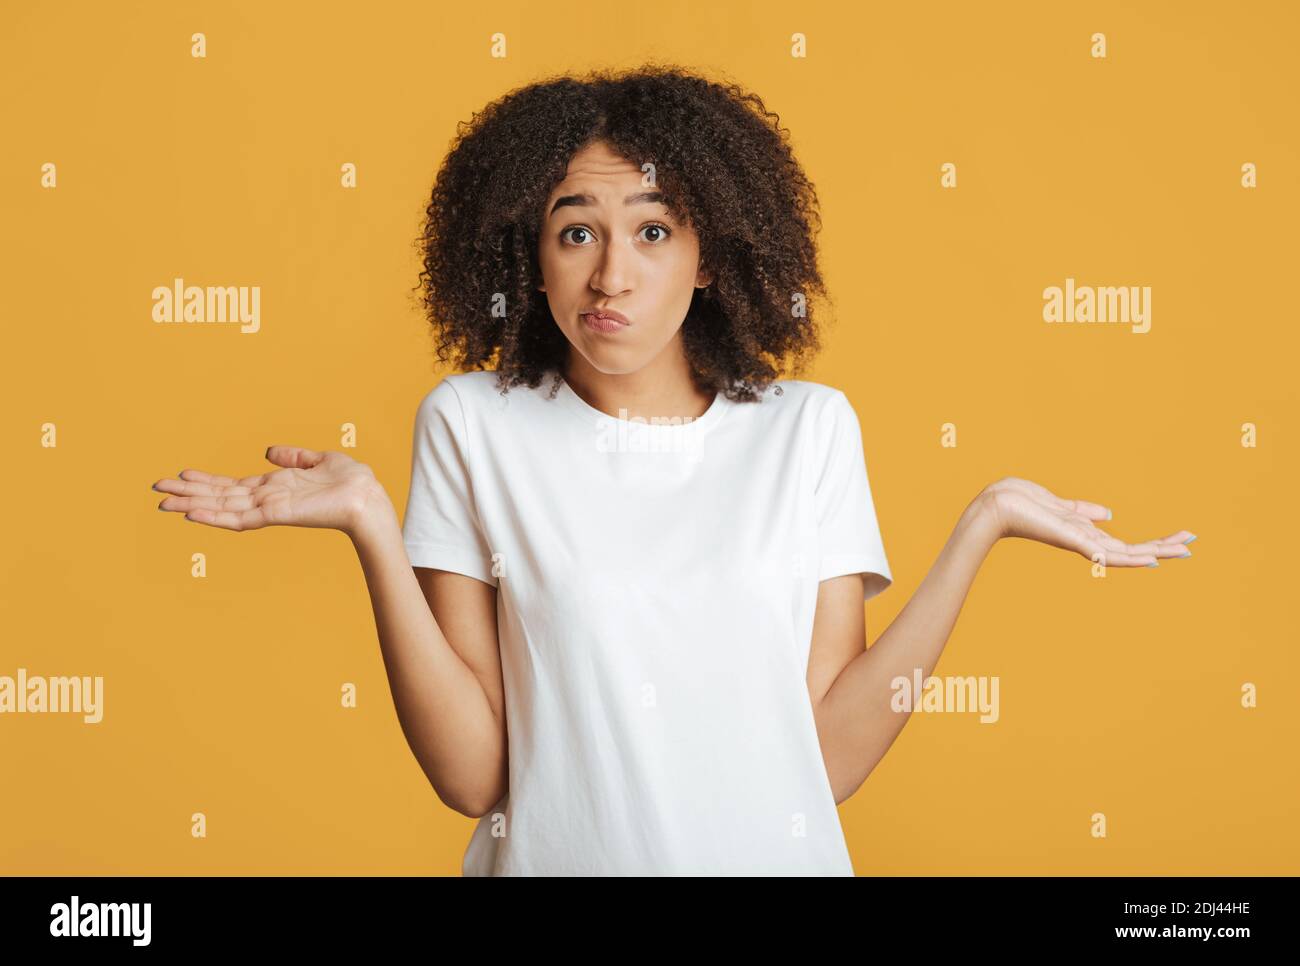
(1059, 242)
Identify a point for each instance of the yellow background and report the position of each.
(1118, 695)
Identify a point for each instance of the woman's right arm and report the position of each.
(437, 630)
(438, 635)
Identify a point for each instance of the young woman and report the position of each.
(622, 618)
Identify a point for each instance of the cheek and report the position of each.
(673, 265)
(558, 271)
(680, 275)
(687, 260)
(545, 259)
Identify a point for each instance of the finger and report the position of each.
(1093, 511)
(1108, 541)
(194, 488)
(186, 503)
(1108, 557)
(1098, 546)
(229, 519)
(1144, 550)
(1172, 548)
(202, 477)
(294, 456)
(1173, 545)
(1114, 558)
(1163, 547)
(1157, 548)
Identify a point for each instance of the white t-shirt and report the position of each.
(656, 590)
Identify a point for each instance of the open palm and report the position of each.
(316, 489)
(1025, 509)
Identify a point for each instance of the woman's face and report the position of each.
(606, 245)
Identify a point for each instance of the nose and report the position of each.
(613, 271)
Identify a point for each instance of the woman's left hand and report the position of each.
(1025, 509)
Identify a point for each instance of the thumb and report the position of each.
(293, 456)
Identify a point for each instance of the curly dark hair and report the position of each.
(725, 166)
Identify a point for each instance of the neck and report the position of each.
(662, 389)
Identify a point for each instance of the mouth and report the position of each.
(605, 320)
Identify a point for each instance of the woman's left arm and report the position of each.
(856, 723)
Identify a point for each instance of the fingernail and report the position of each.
(1190, 539)
(1110, 514)
(154, 486)
(1181, 555)
(1154, 563)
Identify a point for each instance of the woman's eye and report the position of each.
(662, 230)
(576, 234)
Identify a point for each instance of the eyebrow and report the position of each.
(645, 197)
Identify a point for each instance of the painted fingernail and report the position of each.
(1181, 555)
(1154, 563)
(1190, 539)
(1110, 514)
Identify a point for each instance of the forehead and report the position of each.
(598, 177)
(597, 168)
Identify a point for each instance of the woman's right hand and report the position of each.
(316, 489)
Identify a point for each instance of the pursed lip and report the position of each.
(608, 314)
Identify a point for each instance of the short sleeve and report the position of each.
(441, 528)
(848, 531)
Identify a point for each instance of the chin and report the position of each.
(614, 367)
(610, 363)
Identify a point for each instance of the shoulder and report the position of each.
(442, 412)
(809, 401)
(803, 389)
(796, 414)
(819, 414)
(459, 392)
(473, 406)
(463, 384)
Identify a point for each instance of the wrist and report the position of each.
(981, 516)
(372, 513)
